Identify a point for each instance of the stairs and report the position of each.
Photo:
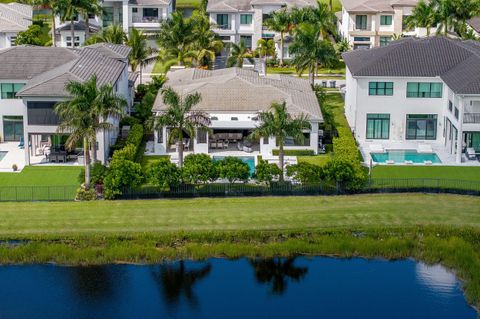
(220, 62)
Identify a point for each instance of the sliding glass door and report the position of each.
(12, 128)
(421, 127)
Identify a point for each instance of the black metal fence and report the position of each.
(37, 193)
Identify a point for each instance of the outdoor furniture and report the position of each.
(220, 144)
(22, 143)
(225, 144)
(213, 144)
(471, 154)
(247, 149)
(240, 146)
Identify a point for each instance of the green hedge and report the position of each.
(295, 152)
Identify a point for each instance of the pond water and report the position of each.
(218, 288)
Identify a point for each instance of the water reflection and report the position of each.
(436, 278)
(94, 282)
(176, 282)
(276, 272)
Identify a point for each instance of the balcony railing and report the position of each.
(138, 19)
(224, 26)
(469, 118)
(362, 27)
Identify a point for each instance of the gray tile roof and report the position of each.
(78, 26)
(235, 90)
(15, 17)
(150, 2)
(456, 62)
(373, 6)
(247, 5)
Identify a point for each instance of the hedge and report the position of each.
(295, 152)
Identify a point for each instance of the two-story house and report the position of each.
(14, 18)
(416, 94)
(32, 81)
(243, 20)
(374, 23)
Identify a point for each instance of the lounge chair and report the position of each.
(247, 149)
(213, 144)
(22, 143)
(471, 154)
(225, 144)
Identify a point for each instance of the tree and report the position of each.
(54, 7)
(342, 46)
(310, 51)
(346, 174)
(180, 118)
(266, 48)
(266, 173)
(176, 36)
(279, 123)
(281, 22)
(112, 34)
(233, 169)
(238, 53)
(206, 43)
(86, 113)
(321, 17)
(30, 36)
(89, 7)
(199, 168)
(422, 16)
(121, 175)
(305, 173)
(70, 9)
(164, 174)
(141, 54)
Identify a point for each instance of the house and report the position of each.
(416, 94)
(237, 20)
(32, 81)
(14, 18)
(374, 23)
(233, 97)
(64, 33)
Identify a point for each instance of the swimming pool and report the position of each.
(399, 157)
(2, 154)
(249, 160)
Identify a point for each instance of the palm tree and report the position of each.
(141, 53)
(238, 53)
(69, 9)
(86, 113)
(112, 34)
(281, 22)
(206, 43)
(443, 10)
(310, 51)
(53, 6)
(90, 7)
(180, 118)
(176, 36)
(422, 16)
(322, 17)
(279, 123)
(265, 49)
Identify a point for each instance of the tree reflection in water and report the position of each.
(94, 282)
(276, 272)
(176, 282)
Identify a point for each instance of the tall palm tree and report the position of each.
(238, 53)
(206, 43)
(281, 22)
(53, 6)
(69, 9)
(279, 123)
(422, 16)
(322, 17)
(90, 7)
(141, 54)
(86, 113)
(310, 50)
(112, 34)
(176, 36)
(265, 49)
(444, 13)
(180, 118)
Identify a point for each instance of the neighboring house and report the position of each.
(64, 33)
(14, 18)
(32, 81)
(416, 94)
(237, 20)
(233, 97)
(374, 23)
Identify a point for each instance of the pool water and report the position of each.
(400, 157)
(249, 160)
(2, 154)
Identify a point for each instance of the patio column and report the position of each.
(458, 159)
(27, 149)
(126, 16)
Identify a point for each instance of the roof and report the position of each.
(72, 65)
(115, 51)
(248, 5)
(150, 2)
(372, 6)
(456, 62)
(474, 23)
(15, 17)
(235, 90)
(78, 26)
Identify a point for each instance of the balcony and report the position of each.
(224, 27)
(471, 118)
(145, 19)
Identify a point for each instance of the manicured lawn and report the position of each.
(319, 160)
(147, 161)
(42, 176)
(271, 213)
(188, 3)
(440, 172)
(338, 69)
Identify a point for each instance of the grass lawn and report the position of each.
(42, 176)
(188, 3)
(338, 69)
(147, 161)
(440, 172)
(319, 160)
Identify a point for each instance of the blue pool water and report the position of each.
(400, 157)
(2, 154)
(246, 159)
(314, 287)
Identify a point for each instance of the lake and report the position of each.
(317, 287)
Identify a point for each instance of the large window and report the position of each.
(378, 126)
(384, 41)
(247, 39)
(380, 88)
(9, 90)
(424, 89)
(12, 128)
(385, 20)
(222, 21)
(246, 19)
(361, 22)
(421, 127)
(150, 13)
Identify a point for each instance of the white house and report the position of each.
(32, 81)
(237, 20)
(374, 23)
(14, 18)
(416, 94)
(233, 97)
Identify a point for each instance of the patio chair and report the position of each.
(239, 146)
(213, 144)
(22, 143)
(471, 154)
(225, 144)
(247, 149)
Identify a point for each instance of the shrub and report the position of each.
(199, 168)
(164, 174)
(97, 173)
(305, 173)
(122, 174)
(129, 121)
(233, 169)
(86, 194)
(128, 152)
(266, 173)
(346, 174)
(135, 135)
(143, 110)
(295, 152)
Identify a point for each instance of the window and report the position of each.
(222, 21)
(456, 112)
(384, 41)
(385, 20)
(134, 10)
(248, 41)
(202, 136)
(245, 19)
(361, 22)
(9, 90)
(424, 90)
(378, 126)
(150, 12)
(13, 41)
(380, 88)
(421, 127)
(265, 140)
(361, 39)
(450, 106)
